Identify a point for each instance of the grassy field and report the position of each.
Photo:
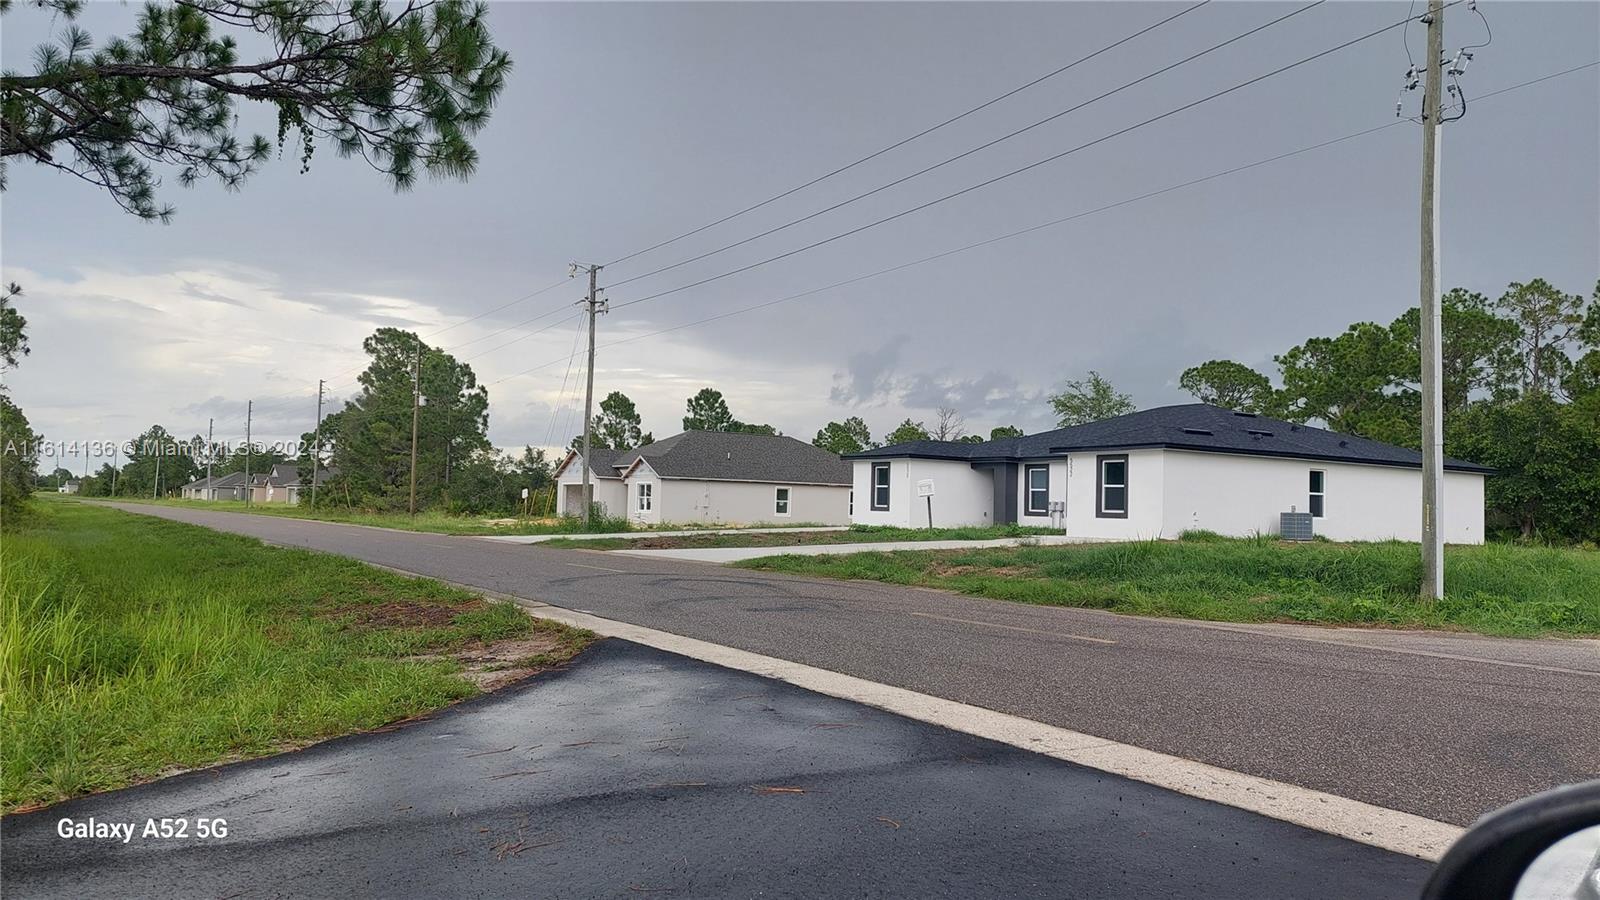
(1495, 589)
(433, 522)
(133, 647)
(857, 534)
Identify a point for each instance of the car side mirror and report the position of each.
(1544, 847)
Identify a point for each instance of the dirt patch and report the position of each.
(499, 663)
(404, 613)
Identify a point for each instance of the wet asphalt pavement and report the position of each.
(637, 773)
(1445, 726)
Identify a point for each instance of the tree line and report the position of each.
(1521, 394)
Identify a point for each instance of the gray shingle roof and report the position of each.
(733, 456)
(1193, 426)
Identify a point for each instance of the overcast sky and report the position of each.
(623, 125)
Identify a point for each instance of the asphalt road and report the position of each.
(1441, 726)
(640, 773)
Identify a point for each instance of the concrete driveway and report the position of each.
(640, 773)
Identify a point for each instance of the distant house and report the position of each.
(712, 476)
(280, 484)
(218, 487)
(69, 487)
(1160, 472)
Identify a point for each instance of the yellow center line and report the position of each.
(1062, 634)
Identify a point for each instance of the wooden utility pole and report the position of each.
(416, 403)
(593, 303)
(316, 450)
(1431, 327)
(249, 413)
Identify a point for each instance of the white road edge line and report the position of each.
(1387, 829)
(1364, 823)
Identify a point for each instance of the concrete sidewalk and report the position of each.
(636, 771)
(734, 554)
(636, 535)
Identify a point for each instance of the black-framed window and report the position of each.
(880, 486)
(1111, 486)
(780, 506)
(1318, 486)
(1037, 480)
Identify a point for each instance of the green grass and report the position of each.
(133, 646)
(857, 534)
(429, 521)
(1493, 589)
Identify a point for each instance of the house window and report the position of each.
(1038, 490)
(852, 508)
(1317, 479)
(781, 506)
(646, 491)
(880, 486)
(1112, 488)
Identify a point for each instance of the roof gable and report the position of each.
(603, 461)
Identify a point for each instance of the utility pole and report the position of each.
(249, 412)
(116, 464)
(593, 303)
(155, 489)
(316, 451)
(416, 402)
(211, 452)
(1431, 326)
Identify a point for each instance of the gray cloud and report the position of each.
(248, 294)
(868, 376)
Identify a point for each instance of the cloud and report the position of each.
(868, 377)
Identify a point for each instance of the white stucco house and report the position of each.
(1159, 472)
(713, 476)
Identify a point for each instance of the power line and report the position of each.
(561, 396)
(953, 119)
(1033, 165)
(1041, 226)
(285, 400)
(981, 147)
(544, 290)
(923, 133)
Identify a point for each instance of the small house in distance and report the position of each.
(715, 477)
(1160, 472)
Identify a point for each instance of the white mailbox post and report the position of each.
(925, 489)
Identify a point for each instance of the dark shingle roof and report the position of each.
(734, 456)
(603, 462)
(1193, 426)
